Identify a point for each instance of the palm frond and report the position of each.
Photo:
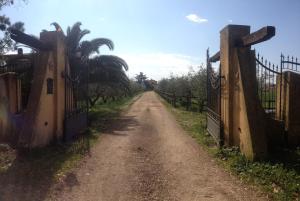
(74, 35)
(76, 26)
(104, 70)
(82, 33)
(111, 60)
(89, 47)
(97, 42)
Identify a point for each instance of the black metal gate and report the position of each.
(214, 125)
(268, 80)
(76, 103)
(289, 64)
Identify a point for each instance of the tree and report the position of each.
(6, 43)
(106, 72)
(77, 48)
(6, 3)
(194, 82)
(141, 78)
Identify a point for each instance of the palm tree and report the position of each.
(78, 49)
(104, 70)
(109, 72)
(108, 68)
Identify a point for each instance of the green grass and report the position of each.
(56, 161)
(279, 176)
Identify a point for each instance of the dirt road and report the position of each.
(147, 156)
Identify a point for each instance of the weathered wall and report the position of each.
(43, 127)
(60, 65)
(10, 102)
(28, 130)
(11, 89)
(290, 106)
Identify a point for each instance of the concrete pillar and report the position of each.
(44, 117)
(59, 65)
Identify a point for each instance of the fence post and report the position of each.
(188, 100)
(200, 105)
(174, 100)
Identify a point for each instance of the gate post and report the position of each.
(60, 64)
(44, 117)
(241, 113)
(229, 35)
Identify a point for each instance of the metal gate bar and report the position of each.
(214, 125)
(76, 103)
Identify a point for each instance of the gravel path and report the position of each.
(147, 156)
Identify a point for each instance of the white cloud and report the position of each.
(230, 21)
(195, 18)
(159, 65)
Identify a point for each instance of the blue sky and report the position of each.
(158, 37)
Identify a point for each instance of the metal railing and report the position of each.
(288, 63)
(268, 77)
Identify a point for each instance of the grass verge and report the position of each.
(54, 162)
(279, 176)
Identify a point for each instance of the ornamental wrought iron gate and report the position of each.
(268, 80)
(76, 102)
(214, 125)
